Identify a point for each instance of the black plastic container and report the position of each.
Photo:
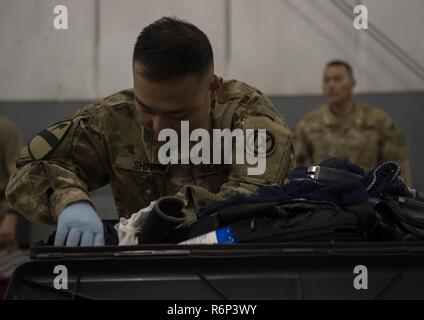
(242, 271)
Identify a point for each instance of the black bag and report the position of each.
(404, 216)
(300, 220)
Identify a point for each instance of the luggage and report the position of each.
(288, 249)
(404, 215)
(296, 220)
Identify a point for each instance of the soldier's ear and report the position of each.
(215, 85)
(353, 83)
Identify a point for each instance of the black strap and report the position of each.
(324, 173)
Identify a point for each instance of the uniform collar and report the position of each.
(353, 117)
(151, 146)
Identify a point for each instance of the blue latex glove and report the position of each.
(79, 225)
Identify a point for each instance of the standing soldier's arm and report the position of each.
(10, 148)
(394, 147)
(279, 161)
(59, 167)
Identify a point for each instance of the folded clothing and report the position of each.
(384, 179)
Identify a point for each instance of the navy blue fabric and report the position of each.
(385, 178)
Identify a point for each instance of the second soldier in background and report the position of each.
(348, 129)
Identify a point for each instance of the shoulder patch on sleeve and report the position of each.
(47, 140)
(270, 141)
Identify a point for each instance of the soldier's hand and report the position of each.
(79, 225)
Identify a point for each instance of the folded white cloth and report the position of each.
(129, 229)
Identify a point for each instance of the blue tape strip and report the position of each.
(225, 235)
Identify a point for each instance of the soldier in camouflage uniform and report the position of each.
(10, 144)
(115, 140)
(346, 128)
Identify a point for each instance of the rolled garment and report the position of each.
(165, 217)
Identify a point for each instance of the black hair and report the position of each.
(170, 48)
(341, 63)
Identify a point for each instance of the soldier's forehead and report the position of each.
(171, 107)
(168, 96)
